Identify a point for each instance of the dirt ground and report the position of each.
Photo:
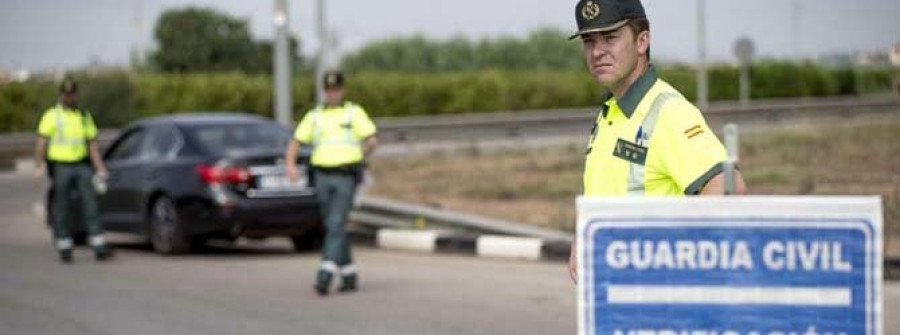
(538, 186)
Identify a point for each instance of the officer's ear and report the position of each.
(643, 43)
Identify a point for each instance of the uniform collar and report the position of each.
(637, 91)
(66, 109)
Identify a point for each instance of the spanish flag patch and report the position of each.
(693, 131)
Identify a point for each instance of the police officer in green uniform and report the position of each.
(648, 140)
(71, 150)
(341, 135)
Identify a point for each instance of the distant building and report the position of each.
(873, 58)
(895, 55)
(14, 76)
(837, 60)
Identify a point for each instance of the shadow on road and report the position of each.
(892, 269)
(218, 249)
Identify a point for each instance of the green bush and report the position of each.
(873, 80)
(786, 80)
(682, 77)
(116, 98)
(110, 97)
(724, 83)
(22, 104)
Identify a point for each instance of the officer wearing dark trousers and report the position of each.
(71, 150)
(342, 135)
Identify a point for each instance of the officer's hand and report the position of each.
(39, 173)
(291, 171)
(573, 262)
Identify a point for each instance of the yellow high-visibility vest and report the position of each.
(651, 142)
(68, 130)
(335, 134)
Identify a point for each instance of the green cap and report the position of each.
(605, 15)
(333, 79)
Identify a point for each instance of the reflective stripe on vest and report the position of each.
(349, 139)
(636, 171)
(60, 138)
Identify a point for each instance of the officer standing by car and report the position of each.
(71, 151)
(648, 140)
(341, 135)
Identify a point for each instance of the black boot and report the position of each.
(65, 256)
(349, 284)
(102, 254)
(323, 282)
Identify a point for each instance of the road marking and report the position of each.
(509, 247)
(407, 240)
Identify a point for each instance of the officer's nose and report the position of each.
(597, 50)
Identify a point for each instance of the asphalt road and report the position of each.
(263, 288)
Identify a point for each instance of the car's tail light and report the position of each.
(211, 174)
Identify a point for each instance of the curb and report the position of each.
(449, 242)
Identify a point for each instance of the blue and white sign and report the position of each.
(730, 266)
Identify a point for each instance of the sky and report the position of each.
(62, 34)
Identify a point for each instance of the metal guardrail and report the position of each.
(577, 122)
(384, 213)
(572, 122)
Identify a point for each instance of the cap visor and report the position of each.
(606, 28)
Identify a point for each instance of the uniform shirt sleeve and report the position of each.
(304, 132)
(90, 130)
(363, 126)
(691, 153)
(47, 125)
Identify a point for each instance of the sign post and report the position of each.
(895, 62)
(744, 50)
(730, 266)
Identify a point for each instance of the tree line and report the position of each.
(208, 61)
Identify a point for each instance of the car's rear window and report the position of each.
(224, 137)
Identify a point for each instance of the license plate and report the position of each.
(282, 183)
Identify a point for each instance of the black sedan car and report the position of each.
(185, 179)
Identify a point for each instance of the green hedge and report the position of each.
(116, 98)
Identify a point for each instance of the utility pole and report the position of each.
(282, 62)
(702, 84)
(137, 58)
(895, 69)
(324, 53)
(795, 29)
(744, 50)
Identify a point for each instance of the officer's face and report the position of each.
(613, 56)
(69, 98)
(334, 95)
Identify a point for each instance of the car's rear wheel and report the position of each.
(167, 231)
(311, 240)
